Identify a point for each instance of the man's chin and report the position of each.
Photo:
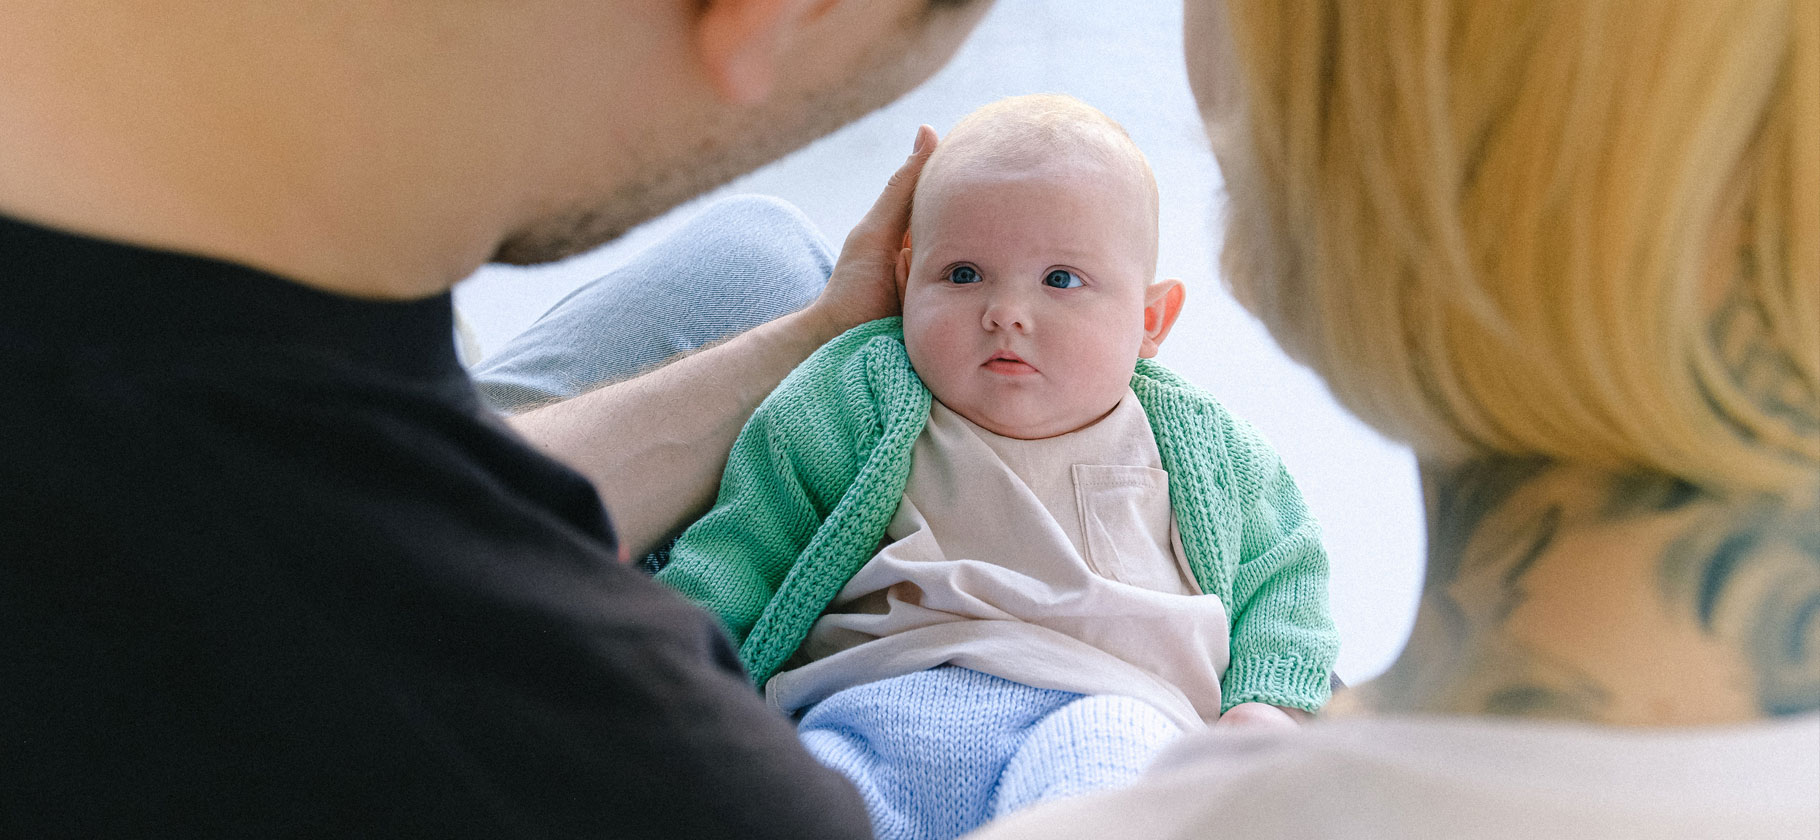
(578, 231)
(549, 245)
(742, 141)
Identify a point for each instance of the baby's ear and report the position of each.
(1162, 302)
(903, 269)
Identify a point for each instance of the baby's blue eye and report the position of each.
(1061, 279)
(963, 274)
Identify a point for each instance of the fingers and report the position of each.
(920, 151)
(892, 210)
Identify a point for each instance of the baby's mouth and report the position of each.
(1008, 362)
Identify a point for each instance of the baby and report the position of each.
(989, 552)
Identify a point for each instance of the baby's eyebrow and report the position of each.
(1074, 254)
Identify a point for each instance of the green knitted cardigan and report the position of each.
(818, 472)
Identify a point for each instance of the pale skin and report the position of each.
(387, 150)
(1002, 345)
(1027, 292)
(1590, 593)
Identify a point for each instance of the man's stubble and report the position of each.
(742, 140)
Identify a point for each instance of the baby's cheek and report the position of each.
(1112, 365)
(919, 338)
(932, 359)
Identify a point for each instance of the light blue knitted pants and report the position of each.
(937, 753)
(742, 262)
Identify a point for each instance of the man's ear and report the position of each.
(1162, 302)
(903, 268)
(739, 42)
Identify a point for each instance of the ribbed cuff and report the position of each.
(1277, 680)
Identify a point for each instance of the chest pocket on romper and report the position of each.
(1128, 528)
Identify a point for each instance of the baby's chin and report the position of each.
(1031, 428)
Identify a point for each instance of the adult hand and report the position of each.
(863, 286)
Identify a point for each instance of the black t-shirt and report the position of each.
(267, 568)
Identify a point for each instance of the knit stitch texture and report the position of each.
(937, 753)
(818, 472)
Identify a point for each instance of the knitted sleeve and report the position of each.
(787, 470)
(1284, 642)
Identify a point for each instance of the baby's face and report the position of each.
(1024, 295)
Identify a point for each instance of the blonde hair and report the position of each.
(1029, 132)
(1581, 229)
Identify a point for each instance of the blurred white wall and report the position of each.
(1126, 60)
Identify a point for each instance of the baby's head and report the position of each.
(1027, 283)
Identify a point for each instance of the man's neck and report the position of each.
(1631, 599)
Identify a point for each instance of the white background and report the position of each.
(1126, 60)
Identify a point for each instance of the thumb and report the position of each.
(892, 210)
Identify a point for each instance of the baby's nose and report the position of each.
(1006, 312)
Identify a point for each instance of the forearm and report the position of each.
(1283, 649)
(1284, 642)
(654, 446)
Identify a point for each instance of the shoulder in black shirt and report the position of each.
(268, 569)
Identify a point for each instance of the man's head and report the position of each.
(759, 78)
(1027, 283)
(388, 149)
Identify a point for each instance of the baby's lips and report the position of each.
(1008, 363)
